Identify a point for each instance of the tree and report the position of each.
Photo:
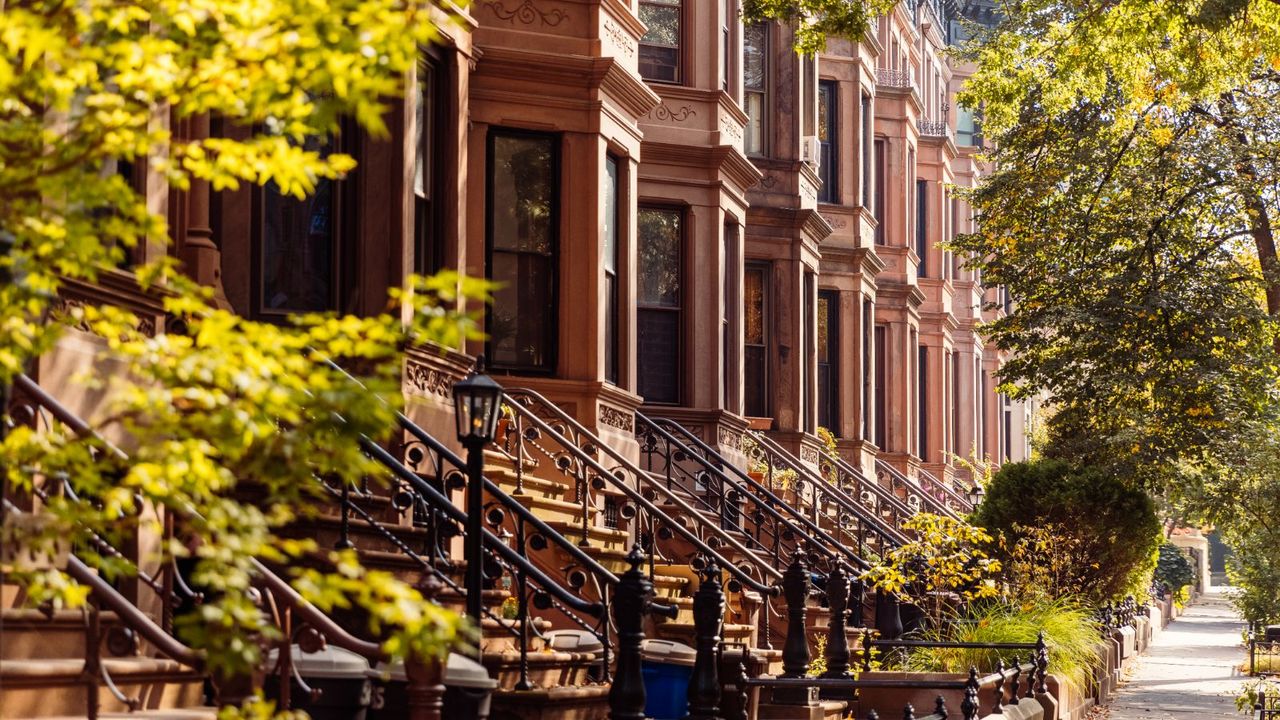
(816, 20)
(217, 402)
(1112, 530)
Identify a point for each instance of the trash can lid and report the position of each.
(331, 662)
(461, 671)
(668, 652)
(574, 641)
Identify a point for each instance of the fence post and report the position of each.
(631, 599)
(795, 587)
(940, 708)
(1015, 681)
(1031, 677)
(1042, 664)
(998, 707)
(857, 600)
(969, 705)
(837, 643)
(908, 712)
(708, 614)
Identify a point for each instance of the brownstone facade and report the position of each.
(686, 216)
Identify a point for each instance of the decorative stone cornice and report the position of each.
(539, 70)
(734, 167)
(524, 12)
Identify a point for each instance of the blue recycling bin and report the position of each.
(667, 668)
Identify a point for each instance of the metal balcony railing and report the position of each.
(888, 77)
(935, 128)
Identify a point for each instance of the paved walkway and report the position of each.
(1190, 671)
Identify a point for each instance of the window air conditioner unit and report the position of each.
(811, 150)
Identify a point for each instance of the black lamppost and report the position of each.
(975, 495)
(476, 400)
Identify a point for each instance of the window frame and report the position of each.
(921, 200)
(428, 260)
(613, 290)
(829, 157)
(765, 269)
(763, 92)
(681, 308)
(681, 41)
(880, 336)
(551, 330)
(342, 260)
(830, 399)
(881, 146)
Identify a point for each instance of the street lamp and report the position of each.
(975, 495)
(476, 400)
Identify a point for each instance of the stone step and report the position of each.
(31, 634)
(585, 702)
(55, 687)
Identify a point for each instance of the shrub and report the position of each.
(1173, 568)
(1069, 631)
(1112, 527)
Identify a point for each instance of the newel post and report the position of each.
(837, 654)
(631, 599)
(795, 587)
(708, 615)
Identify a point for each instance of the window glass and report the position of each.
(610, 257)
(660, 46)
(827, 139)
(658, 314)
(522, 226)
(298, 237)
(427, 172)
(755, 83)
(755, 324)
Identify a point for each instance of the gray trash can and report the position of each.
(468, 689)
(667, 668)
(341, 676)
(580, 641)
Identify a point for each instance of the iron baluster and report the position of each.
(837, 651)
(969, 708)
(998, 693)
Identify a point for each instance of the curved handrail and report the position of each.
(829, 489)
(636, 496)
(525, 514)
(945, 492)
(661, 425)
(443, 504)
(332, 631)
(900, 510)
(896, 476)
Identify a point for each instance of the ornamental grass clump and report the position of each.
(1069, 630)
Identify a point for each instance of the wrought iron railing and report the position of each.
(280, 600)
(1264, 656)
(851, 522)
(875, 497)
(935, 128)
(943, 493)
(542, 431)
(889, 77)
(677, 455)
(921, 496)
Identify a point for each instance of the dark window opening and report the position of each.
(523, 229)
(829, 360)
(755, 82)
(755, 329)
(922, 227)
(881, 173)
(660, 46)
(659, 284)
(429, 170)
(828, 141)
(882, 381)
(610, 259)
(922, 401)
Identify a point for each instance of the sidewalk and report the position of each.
(1190, 670)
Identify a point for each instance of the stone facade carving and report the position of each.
(808, 454)
(526, 13)
(729, 437)
(422, 379)
(620, 419)
(664, 113)
(620, 38)
(836, 223)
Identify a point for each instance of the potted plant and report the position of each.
(504, 424)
